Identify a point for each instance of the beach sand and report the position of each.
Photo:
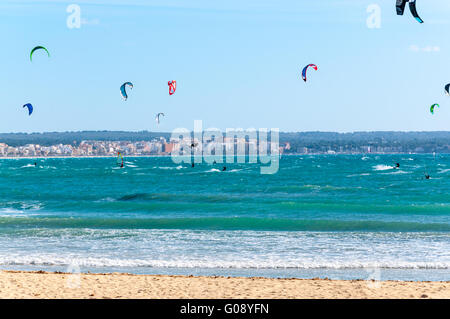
(18, 284)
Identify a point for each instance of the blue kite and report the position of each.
(123, 91)
(30, 108)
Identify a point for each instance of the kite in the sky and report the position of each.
(412, 7)
(38, 48)
(306, 68)
(447, 89)
(30, 108)
(432, 108)
(157, 117)
(123, 90)
(172, 87)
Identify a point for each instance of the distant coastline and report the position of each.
(109, 143)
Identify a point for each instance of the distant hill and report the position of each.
(376, 136)
(360, 142)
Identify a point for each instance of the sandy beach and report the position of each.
(18, 284)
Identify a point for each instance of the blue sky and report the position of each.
(236, 64)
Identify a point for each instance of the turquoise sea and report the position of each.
(335, 216)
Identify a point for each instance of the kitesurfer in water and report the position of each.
(224, 168)
(193, 165)
(427, 176)
(397, 165)
(35, 164)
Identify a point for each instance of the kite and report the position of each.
(306, 68)
(123, 91)
(447, 89)
(30, 108)
(412, 7)
(38, 48)
(157, 117)
(172, 87)
(432, 108)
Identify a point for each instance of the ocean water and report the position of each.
(335, 216)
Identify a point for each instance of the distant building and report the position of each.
(168, 148)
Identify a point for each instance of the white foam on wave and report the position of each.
(114, 248)
(395, 172)
(106, 199)
(28, 165)
(311, 186)
(382, 167)
(17, 209)
(362, 174)
(170, 167)
(54, 260)
(10, 212)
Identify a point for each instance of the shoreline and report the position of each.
(50, 285)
